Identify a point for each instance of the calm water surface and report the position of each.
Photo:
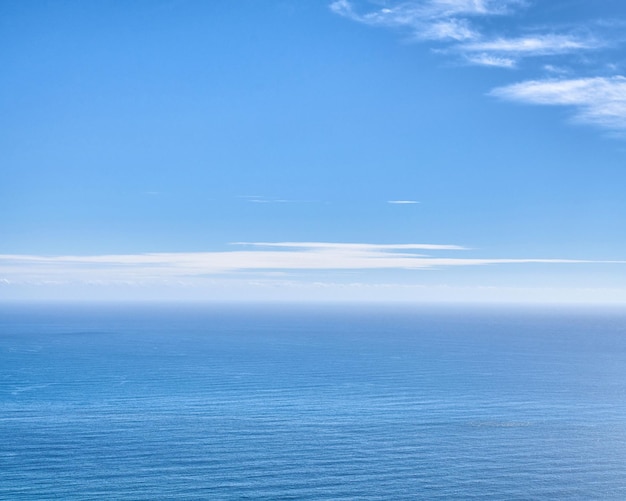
(242, 402)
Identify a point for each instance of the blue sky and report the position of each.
(426, 150)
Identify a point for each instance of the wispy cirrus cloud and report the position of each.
(599, 101)
(415, 13)
(461, 29)
(483, 59)
(539, 45)
(429, 19)
(460, 24)
(261, 257)
(402, 202)
(506, 52)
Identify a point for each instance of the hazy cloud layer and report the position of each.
(262, 256)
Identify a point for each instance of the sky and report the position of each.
(307, 150)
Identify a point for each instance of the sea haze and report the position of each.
(311, 402)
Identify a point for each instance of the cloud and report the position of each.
(262, 257)
(506, 52)
(460, 24)
(540, 45)
(259, 199)
(488, 60)
(599, 101)
(414, 13)
(429, 19)
(463, 30)
(450, 29)
(402, 202)
(353, 246)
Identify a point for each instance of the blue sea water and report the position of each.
(314, 403)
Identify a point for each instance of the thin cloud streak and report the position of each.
(353, 246)
(506, 52)
(402, 202)
(264, 200)
(540, 45)
(488, 60)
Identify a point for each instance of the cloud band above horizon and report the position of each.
(263, 256)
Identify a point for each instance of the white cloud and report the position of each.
(412, 12)
(550, 68)
(264, 256)
(258, 199)
(353, 246)
(599, 101)
(534, 45)
(475, 7)
(402, 202)
(429, 19)
(458, 22)
(450, 29)
(489, 60)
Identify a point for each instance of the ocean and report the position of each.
(311, 402)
